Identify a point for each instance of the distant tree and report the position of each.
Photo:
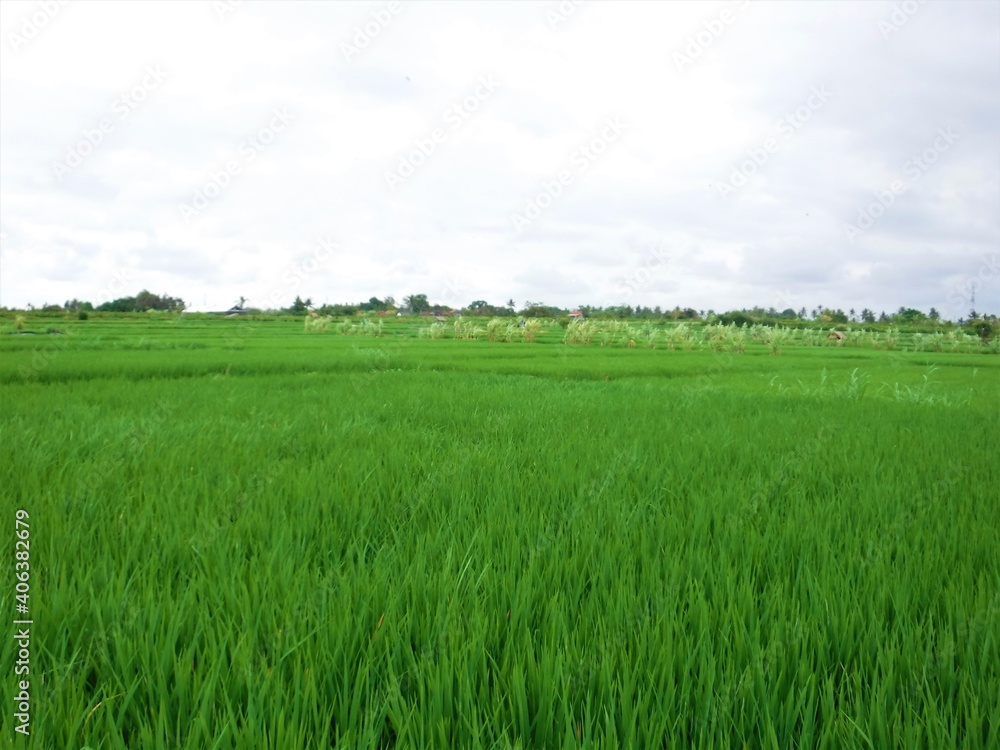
(145, 300)
(981, 328)
(538, 310)
(122, 304)
(908, 315)
(934, 314)
(883, 318)
(620, 312)
(737, 317)
(867, 316)
(417, 303)
(300, 306)
(142, 302)
(338, 310)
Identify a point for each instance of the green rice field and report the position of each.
(246, 534)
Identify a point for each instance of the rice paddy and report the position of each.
(255, 534)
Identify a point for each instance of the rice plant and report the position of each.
(681, 336)
(354, 543)
(579, 332)
(891, 338)
(918, 394)
(433, 331)
(856, 385)
(466, 330)
(530, 329)
(776, 338)
(650, 333)
(368, 328)
(495, 329)
(317, 324)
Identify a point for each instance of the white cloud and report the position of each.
(447, 229)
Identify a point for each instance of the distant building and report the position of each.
(576, 315)
(232, 312)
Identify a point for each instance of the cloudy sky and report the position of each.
(711, 155)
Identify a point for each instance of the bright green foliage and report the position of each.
(246, 536)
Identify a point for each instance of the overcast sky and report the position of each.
(707, 155)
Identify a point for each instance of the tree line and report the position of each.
(416, 304)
